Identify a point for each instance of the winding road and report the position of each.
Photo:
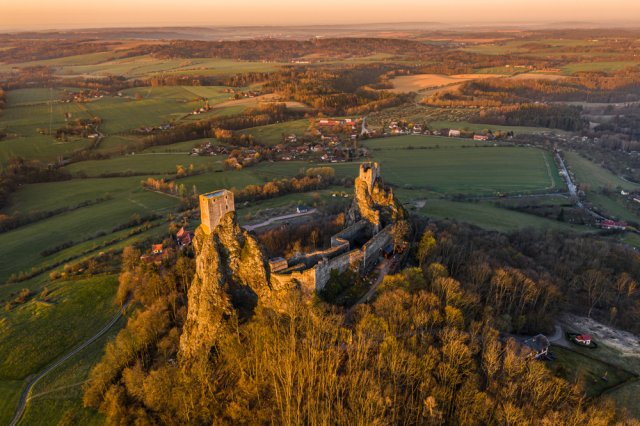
(25, 396)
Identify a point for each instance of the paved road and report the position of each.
(26, 393)
(567, 177)
(277, 219)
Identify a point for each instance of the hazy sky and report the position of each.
(38, 14)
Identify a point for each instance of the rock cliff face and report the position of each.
(375, 204)
(231, 273)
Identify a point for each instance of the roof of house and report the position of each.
(156, 247)
(583, 337)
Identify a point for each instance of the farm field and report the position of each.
(598, 66)
(114, 63)
(38, 332)
(593, 179)
(58, 396)
(474, 170)
(418, 82)
(91, 226)
(274, 134)
(422, 142)
(144, 164)
(487, 215)
(579, 367)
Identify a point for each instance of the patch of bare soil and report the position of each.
(627, 343)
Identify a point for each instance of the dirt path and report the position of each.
(25, 396)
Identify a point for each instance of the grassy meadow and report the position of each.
(445, 167)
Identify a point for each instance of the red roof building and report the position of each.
(612, 224)
(183, 237)
(583, 339)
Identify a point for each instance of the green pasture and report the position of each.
(480, 127)
(485, 214)
(58, 396)
(473, 170)
(598, 66)
(590, 173)
(145, 163)
(420, 141)
(21, 97)
(586, 369)
(9, 395)
(147, 65)
(20, 248)
(274, 134)
(593, 178)
(37, 332)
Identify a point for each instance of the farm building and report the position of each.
(480, 137)
(612, 224)
(583, 339)
(183, 237)
(454, 133)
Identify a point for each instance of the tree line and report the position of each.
(427, 350)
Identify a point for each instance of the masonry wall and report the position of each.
(311, 259)
(213, 206)
(340, 264)
(372, 249)
(351, 233)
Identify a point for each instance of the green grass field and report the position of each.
(275, 133)
(480, 127)
(452, 169)
(20, 248)
(9, 394)
(585, 369)
(146, 65)
(145, 163)
(58, 396)
(37, 332)
(593, 178)
(598, 66)
(486, 215)
(595, 175)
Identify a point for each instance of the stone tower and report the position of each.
(369, 172)
(213, 206)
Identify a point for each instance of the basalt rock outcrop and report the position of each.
(372, 201)
(231, 274)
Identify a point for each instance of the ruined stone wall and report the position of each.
(305, 279)
(372, 249)
(369, 172)
(340, 264)
(351, 233)
(310, 259)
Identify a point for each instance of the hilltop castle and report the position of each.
(368, 235)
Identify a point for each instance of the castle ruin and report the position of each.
(368, 235)
(371, 220)
(369, 173)
(213, 206)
